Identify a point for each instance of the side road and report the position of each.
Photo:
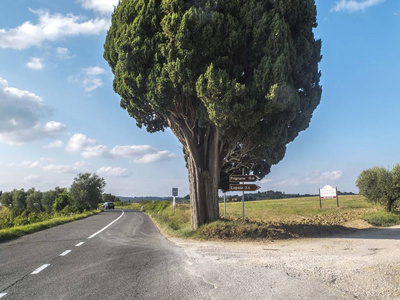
(361, 265)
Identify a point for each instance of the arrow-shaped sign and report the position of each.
(243, 178)
(244, 187)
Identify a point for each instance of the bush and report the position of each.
(382, 218)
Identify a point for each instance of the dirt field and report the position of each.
(364, 264)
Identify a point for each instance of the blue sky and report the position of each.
(59, 115)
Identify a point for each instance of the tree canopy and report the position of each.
(86, 191)
(236, 81)
(380, 185)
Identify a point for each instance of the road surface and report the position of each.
(130, 259)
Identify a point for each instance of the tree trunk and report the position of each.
(202, 148)
(203, 182)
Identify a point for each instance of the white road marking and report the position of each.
(38, 270)
(2, 294)
(65, 252)
(94, 234)
(79, 244)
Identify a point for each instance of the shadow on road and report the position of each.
(337, 231)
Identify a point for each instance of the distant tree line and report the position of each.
(24, 207)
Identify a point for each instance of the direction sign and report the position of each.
(243, 178)
(244, 187)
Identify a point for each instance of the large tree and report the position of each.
(234, 80)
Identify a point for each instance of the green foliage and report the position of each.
(18, 202)
(382, 218)
(6, 199)
(86, 191)
(380, 186)
(109, 198)
(62, 200)
(248, 69)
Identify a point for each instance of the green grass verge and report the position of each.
(382, 218)
(17, 231)
(268, 219)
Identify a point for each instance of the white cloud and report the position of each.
(89, 78)
(132, 151)
(35, 63)
(101, 6)
(50, 27)
(79, 142)
(20, 115)
(93, 71)
(75, 168)
(55, 144)
(154, 157)
(63, 53)
(113, 171)
(322, 177)
(141, 154)
(354, 6)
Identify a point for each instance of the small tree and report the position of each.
(33, 201)
(380, 186)
(61, 201)
(18, 202)
(6, 199)
(86, 191)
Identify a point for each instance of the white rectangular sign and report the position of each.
(328, 192)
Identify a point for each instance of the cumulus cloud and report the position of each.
(50, 27)
(154, 157)
(55, 144)
(89, 77)
(141, 154)
(354, 6)
(321, 177)
(63, 53)
(35, 63)
(113, 171)
(101, 6)
(20, 115)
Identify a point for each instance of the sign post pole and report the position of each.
(225, 206)
(174, 194)
(243, 200)
(337, 198)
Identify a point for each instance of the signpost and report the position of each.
(174, 194)
(328, 192)
(235, 179)
(243, 178)
(244, 187)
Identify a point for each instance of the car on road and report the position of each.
(108, 205)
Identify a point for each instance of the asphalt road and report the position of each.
(129, 259)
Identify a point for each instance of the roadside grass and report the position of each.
(17, 231)
(271, 219)
(382, 218)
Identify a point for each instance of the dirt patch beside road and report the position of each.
(363, 264)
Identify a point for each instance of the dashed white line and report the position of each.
(2, 294)
(79, 244)
(40, 269)
(65, 252)
(94, 234)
